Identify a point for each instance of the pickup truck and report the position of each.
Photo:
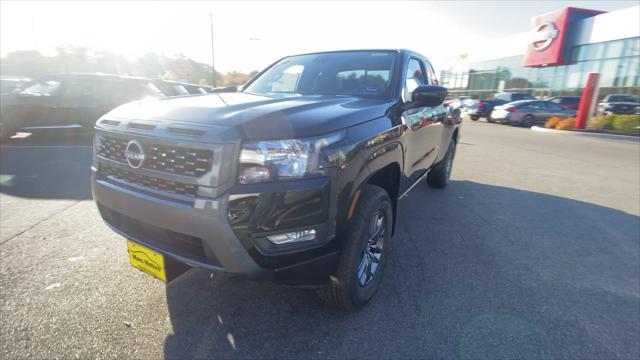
(483, 108)
(294, 179)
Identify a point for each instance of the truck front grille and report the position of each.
(154, 183)
(159, 157)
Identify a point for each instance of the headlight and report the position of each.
(273, 160)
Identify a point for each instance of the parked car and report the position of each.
(230, 88)
(455, 101)
(529, 112)
(195, 89)
(69, 101)
(295, 179)
(176, 88)
(619, 104)
(567, 102)
(9, 85)
(483, 108)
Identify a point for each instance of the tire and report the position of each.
(528, 120)
(475, 117)
(368, 237)
(438, 177)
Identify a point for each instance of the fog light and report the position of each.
(295, 236)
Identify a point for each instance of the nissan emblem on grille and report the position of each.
(134, 154)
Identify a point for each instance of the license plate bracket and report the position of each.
(146, 260)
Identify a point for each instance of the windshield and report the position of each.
(359, 73)
(44, 88)
(622, 98)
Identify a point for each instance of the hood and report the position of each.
(259, 117)
(622, 103)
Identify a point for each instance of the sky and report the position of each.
(250, 35)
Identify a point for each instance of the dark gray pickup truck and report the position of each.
(295, 178)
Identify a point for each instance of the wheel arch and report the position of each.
(388, 178)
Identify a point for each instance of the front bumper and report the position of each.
(200, 234)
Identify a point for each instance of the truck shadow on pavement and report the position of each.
(476, 271)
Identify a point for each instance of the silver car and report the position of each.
(529, 112)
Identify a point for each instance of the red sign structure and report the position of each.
(551, 36)
(587, 101)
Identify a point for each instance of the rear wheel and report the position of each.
(475, 117)
(364, 254)
(439, 175)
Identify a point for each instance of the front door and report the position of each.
(424, 124)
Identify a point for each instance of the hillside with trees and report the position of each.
(33, 64)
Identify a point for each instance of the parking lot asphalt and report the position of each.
(533, 251)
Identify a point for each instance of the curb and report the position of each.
(596, 135)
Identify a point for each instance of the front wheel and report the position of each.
(365, 252)
(475, 117)
(439, 175)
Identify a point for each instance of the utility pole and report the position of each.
(213, 66)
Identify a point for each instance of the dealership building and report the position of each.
(555, 57)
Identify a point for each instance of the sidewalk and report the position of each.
(589, 134)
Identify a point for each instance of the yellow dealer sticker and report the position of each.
(147, 260)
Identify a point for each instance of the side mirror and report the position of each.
(428, 95)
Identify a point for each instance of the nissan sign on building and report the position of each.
(543, 36)
(551, 36)
(555, 56)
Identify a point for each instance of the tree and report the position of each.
(83, 59)
(29, 63)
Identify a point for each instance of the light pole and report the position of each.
(213, 66)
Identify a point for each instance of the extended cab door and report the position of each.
(425, 124)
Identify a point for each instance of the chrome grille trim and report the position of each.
(161, 157)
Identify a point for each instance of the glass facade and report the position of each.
(617, 62)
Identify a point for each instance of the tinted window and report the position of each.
(143, 90)
(360, 73)
(552, 106)
(44, 88)
(105, 90)
(414, 78)
(535, 105)
(180, 90)
(622, 98)
(83, 87)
